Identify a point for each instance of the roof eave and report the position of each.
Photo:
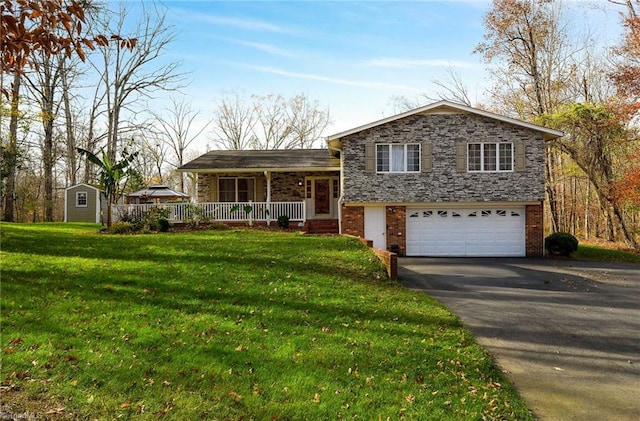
(547, 133)
(258, 170)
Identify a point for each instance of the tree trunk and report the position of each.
(11, 152)
(550, 189)
(623, 226)
(71, 139)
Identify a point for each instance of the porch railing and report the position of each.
(218, 211)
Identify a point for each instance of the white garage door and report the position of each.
(466, 232)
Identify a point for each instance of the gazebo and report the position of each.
(156, 194)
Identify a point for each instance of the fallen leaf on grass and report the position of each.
(234, 395)
(56, 410)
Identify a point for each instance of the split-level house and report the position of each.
(441, 180)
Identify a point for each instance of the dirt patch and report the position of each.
(16, 404)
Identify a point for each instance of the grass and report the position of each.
(229, 325)
(605, 252)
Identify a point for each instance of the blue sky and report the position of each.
(352, 57)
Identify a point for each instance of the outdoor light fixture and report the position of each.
(300, 182)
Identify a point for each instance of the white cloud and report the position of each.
(267, 48)
(401, 63)
(337, 81)
(241, 23)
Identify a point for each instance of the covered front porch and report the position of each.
(318, 191)
(261, 185)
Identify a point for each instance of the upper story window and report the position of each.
(398, 158)
(490, 157)
(81, 199)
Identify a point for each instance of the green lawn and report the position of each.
(229, 325)
(598, 253)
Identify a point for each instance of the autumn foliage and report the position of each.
(627, 75)
(627, 189)
(47, 26)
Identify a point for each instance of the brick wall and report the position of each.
(387, 258)
(353, 220)
(396, 228)
(534, 230)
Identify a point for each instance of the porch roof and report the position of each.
(269, 160)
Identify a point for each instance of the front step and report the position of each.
(322, 226)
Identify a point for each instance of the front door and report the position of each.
(322, 195)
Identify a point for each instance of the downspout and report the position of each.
(341, 196)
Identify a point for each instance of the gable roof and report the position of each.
(89, 186)
(263, 160)
(448, 107)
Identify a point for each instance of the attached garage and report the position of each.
(489, 231)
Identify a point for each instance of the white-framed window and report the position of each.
(490, 157)
(81, 199)
(394, 158)
(236, 189)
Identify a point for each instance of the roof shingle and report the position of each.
(281, 159)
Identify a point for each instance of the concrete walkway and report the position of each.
(567, 334)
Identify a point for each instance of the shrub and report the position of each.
(121, 228)
(135, 219)
(561, 244)
(194, 215)
(163, 225)
(283, 221)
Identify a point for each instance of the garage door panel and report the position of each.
(466, 232)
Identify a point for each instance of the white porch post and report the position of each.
(268, 175)
(194, 187)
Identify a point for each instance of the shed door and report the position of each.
(491, 231)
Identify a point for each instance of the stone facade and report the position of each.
(442, 133)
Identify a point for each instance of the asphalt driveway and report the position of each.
(567, 334)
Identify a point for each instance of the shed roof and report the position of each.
(264, 160)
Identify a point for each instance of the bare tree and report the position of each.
(308, 122)
(9, 152)
(275, 125)
(177, 131)
(452, 88)
(128, 76)
(269, 122)
(45, 86)
(234, 121)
